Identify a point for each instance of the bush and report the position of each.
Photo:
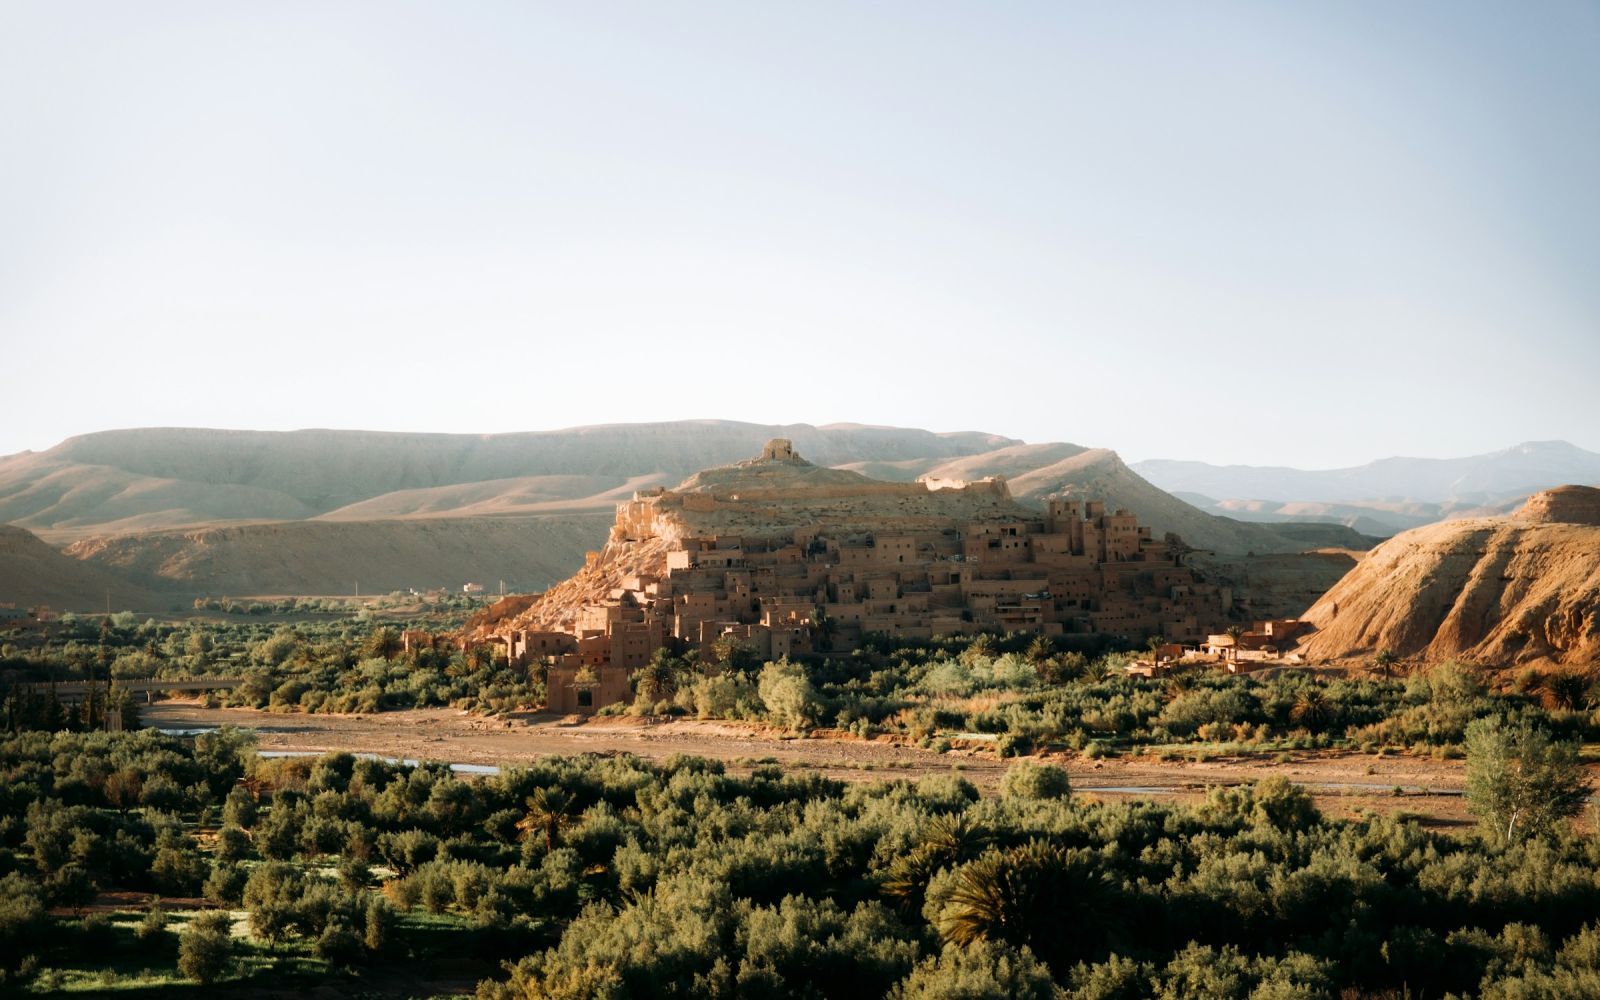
(1027, 779)
(338, 943)
(153, 927)
(233, 844)
(788, 695)
(977, 971)
(205, 946)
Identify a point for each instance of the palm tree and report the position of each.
(549, 811)
(1312, 710)
(954, 838)
(1095, 671)
(1055, 901)
(1179, 684)
(1385, 661)
(1234, 632)
(1568, 690)
(731, 652)
(946, 841)
(385, 643)
(980, 648)
(658, 679)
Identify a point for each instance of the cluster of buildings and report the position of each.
(10, 614)
(1077, 568)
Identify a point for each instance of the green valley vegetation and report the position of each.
(317, 655)
(617, 877)
(1012, 694)
(1023, 693)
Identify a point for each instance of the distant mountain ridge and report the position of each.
(175, 477)
(1490, 478)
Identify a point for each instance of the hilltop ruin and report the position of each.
(787, 557)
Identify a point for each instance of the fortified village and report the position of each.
(789, 558)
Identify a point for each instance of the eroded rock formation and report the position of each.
(1500, 591)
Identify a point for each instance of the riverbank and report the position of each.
(1343, 782)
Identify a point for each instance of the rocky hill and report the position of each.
(1502, 591)
(769, 547)
(1037, 471)
(770, 497)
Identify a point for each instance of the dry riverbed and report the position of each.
(1343, 782)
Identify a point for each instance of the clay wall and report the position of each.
(568, 696)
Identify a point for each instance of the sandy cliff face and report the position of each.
(1501, 591)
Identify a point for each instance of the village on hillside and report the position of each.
(1075, 569)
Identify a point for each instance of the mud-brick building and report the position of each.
(787, 558)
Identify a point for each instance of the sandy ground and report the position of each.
(1344, 783)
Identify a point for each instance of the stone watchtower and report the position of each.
(778, 450)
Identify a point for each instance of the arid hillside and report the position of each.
(1501, 591)
(1100, 473)
(186, 511)
(314, 557)
(1037, 471)
(34, 573)
(175, 477)
(1380, 518)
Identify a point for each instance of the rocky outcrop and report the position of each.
(1562, 505)
(1502, 592)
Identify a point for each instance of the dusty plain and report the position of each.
(1345, 783)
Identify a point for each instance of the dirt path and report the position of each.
(1343, 782)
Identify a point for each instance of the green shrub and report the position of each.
(205, 947)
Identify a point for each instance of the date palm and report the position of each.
(1234, 632)
(1312, 710)
(945, 842)
(1055, 901)
(549, 812)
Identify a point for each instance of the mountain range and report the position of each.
(1381, 497)
(186, 511)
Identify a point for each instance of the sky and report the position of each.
(1306, 234)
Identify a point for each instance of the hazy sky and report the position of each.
(1306, 234)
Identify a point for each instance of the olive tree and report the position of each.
(1520, 782)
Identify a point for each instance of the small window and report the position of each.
(585, 698)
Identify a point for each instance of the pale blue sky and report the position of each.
(1304, 234)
